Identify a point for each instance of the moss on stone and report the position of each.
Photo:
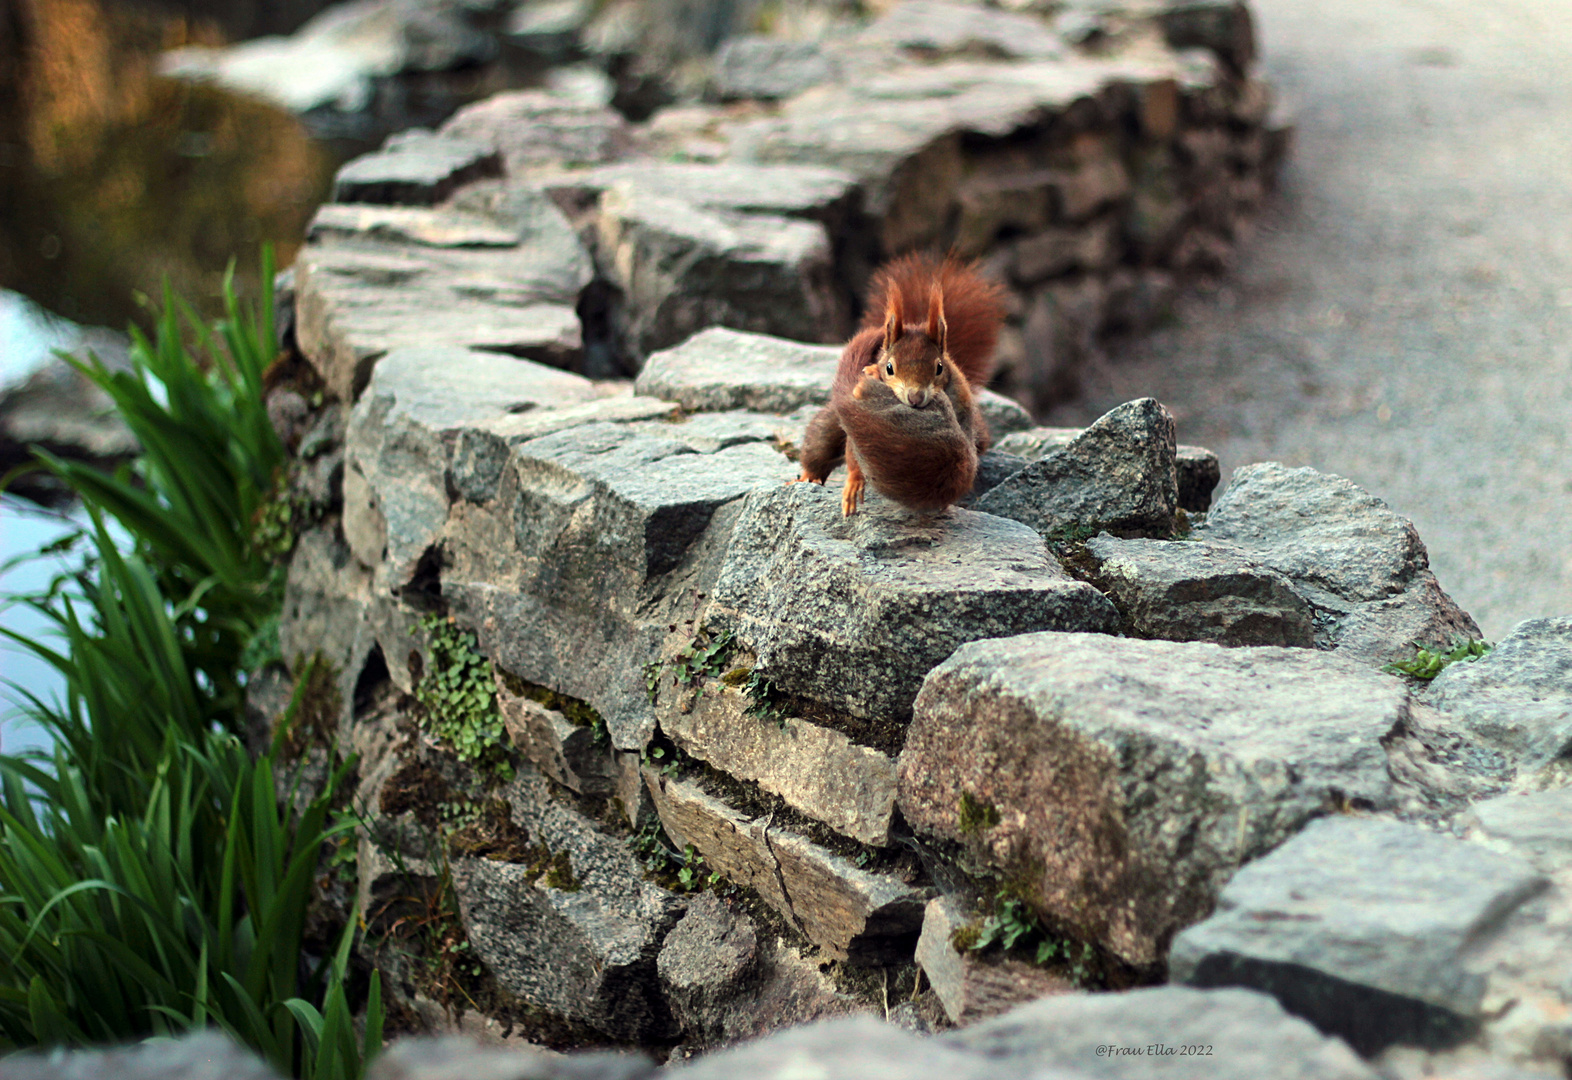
(974, 816)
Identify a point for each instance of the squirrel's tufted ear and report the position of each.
(937, 328)
(894, 316)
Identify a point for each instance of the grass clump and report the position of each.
(151, 879)
(1427, 664)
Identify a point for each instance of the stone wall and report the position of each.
(1096, 164)
(732, 762)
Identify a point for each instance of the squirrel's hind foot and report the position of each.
(851, 494)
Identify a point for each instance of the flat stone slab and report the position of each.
(1117, 475)
(415, 169)
(753, 66)
(381, 279)
(848, 912)
(682, 267)
(574, 552)
(1360, 565)
(853, 612)
(816, 769)
(940, 28)
(721, 368)
(774, 190)
(535, 131)
(1363, 927)
(1519, 695)
(1189, 590)
(1139, 1035)
(1122, 782)
(396, 491)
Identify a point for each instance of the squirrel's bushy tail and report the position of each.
(973, 306)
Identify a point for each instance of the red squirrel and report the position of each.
(903, 414)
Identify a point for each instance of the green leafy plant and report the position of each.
(151, 879)
(1427, 664)
(458, 697)
(1012, 927)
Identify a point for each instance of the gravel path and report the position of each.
(1403, 314)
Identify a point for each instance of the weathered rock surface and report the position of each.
(765, 68)
(1363, 927)
(1117, 475)
(415, 169)
(969, 986)
(1519, 695)
(1114, 1036)
(1198, 591)
(533, 130)
(683, 268)
(816, 769)
(721, 368)
(204, 1056)
(1361, 567)
(582, 944)
(456, 1058)
(705, 962)
(396, 490)
(327, 610)
(590, 547)
(359, 296)
(941, 28)
(562, 750)
(853, 612)
(846, 911)
(1141, 773)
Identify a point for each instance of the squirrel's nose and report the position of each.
(916, 397)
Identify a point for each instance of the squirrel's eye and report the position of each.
(889, 369)
(939, 369)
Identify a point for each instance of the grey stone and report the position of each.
(993, 468)
(682, 268)
(816, 769)
(573, 571)
(1199, 591)
(204, 1056)
(535, 131)
(1117, 475)
(753, 66)
(1362, 567)
(1533, 825)
(1141, 773)
(1198, 472)
(1364, 928)
(357, 297)
(562, 750)
(774, 190)
(396, 469)
(853, 612)
(1037, 442)
(1518, 696)
(972, 987)
(327, 600)
(1224, 27)
(941, 28)
(410, 225)
(586, 950)
(549, 29)
(415, 169)
(458, 1058)
(856, 1048)
(1114, 1036)
(720, 368)
(848, 912)
(708, 959)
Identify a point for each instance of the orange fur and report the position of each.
(903, 413)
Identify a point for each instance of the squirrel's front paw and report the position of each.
(806, 479)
